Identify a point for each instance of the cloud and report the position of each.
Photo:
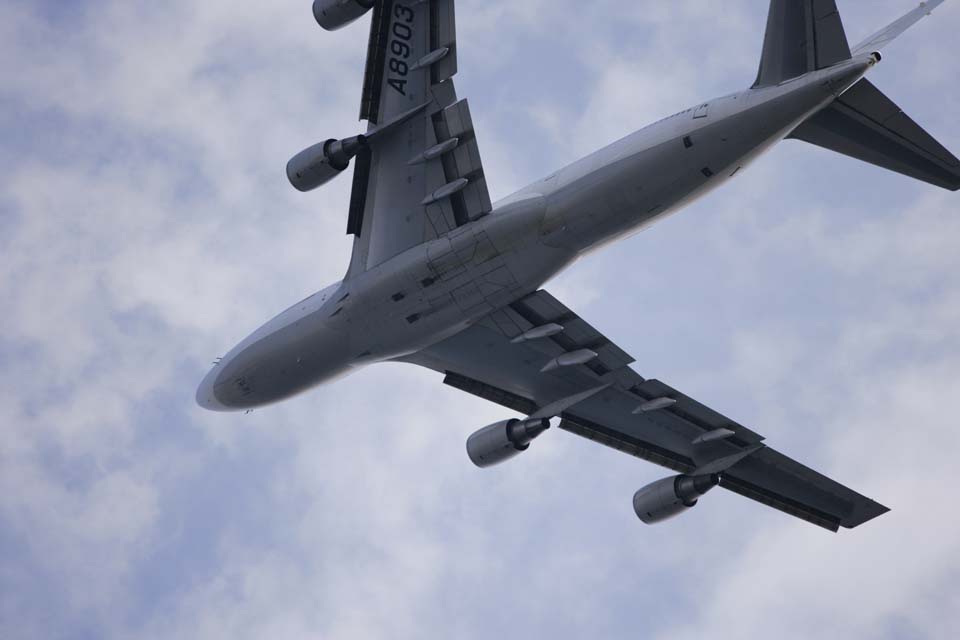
(146, 225)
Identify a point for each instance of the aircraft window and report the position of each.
(413, 318)
(706, 171)
(687, 142)
(397, 297)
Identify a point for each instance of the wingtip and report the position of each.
(871, 511)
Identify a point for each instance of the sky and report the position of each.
(146, 226)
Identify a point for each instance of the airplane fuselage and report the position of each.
(434, 290)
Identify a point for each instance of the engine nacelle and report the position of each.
(321, 163)
(503, 440)
(666, 498)
(333, 14)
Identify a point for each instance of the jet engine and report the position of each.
(666, 498)
(503, 440)
(333, 14)
(322, 162)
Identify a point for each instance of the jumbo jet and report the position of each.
(441, 278)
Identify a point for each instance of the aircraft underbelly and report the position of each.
(451, 282)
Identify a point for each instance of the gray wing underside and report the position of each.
(411, 60)
(483, 361)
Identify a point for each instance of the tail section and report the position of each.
(802, 36)
(865, 124)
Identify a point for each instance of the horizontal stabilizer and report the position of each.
(866, 125)
(889, 33)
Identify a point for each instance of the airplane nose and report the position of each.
(206, 398)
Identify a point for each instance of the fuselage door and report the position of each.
(701, 111)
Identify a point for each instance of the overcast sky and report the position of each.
(146, 225)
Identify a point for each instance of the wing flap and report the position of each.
(627, 443)
(376, 58)
(463, 162)
(358, 193)
(774, 479)
(779, 502)
(489, 392)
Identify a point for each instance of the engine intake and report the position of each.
(666, 498)
(333, 14)
(321, 163)
(503, 440)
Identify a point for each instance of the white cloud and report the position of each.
(146, 225)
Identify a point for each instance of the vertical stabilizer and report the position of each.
(802, 36)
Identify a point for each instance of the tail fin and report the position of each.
(802, 36)
(865, 124)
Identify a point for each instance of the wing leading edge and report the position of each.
(645, 418)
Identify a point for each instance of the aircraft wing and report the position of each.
(645, 418)
(424, 177)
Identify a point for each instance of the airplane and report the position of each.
(442, 278)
